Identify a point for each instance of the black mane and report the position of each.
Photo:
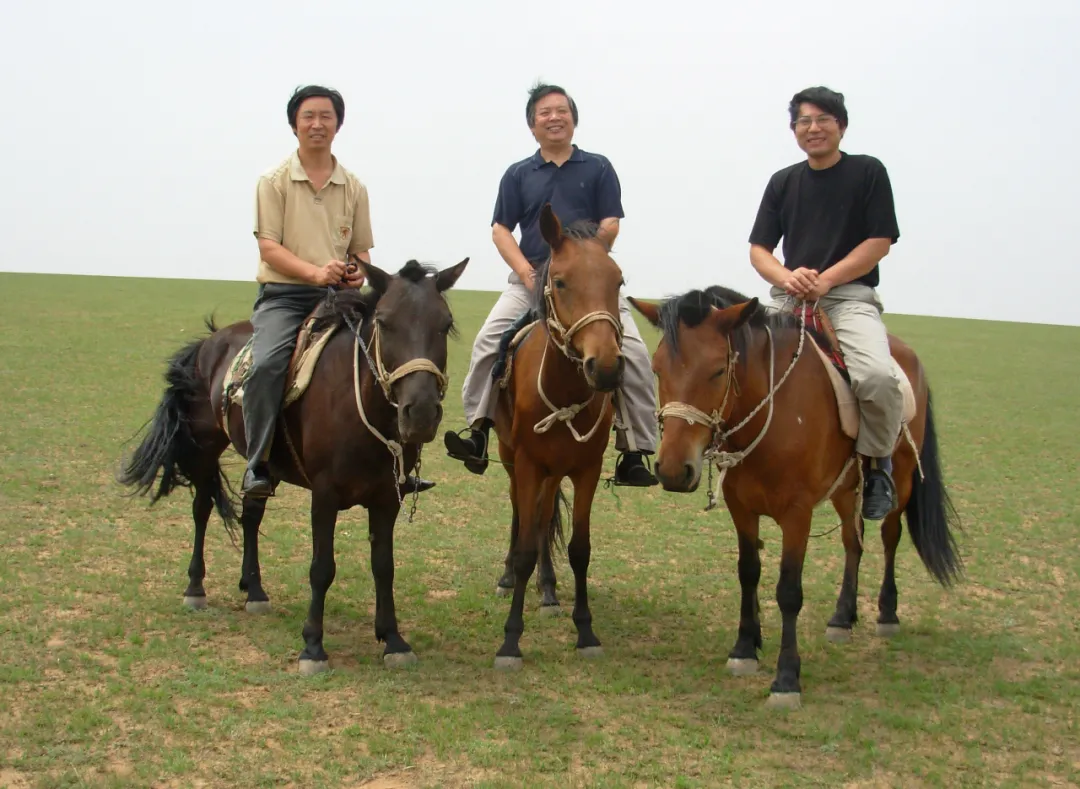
(692, 307)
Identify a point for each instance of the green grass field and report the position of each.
(107, 680)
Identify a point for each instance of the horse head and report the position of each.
(694, 364)
(580, 292)
(408, 347)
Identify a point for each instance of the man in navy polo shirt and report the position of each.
(580, 186)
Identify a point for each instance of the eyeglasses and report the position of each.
(822, 120)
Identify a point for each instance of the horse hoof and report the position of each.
(503, 591)
(257, 606)
(742, 667)
(309, 668)
(400, 659)
(838, 635)
(508, 663)
(195, 603)
(784, 701)
(888, 629)
(590, 653)
(550, 610)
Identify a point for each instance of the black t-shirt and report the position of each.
(824, 214)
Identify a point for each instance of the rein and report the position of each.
(560, 336)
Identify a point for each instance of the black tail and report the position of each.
(930, 511)
(556, 535)
(169, 445)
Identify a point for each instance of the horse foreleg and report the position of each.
(505, 585)
(786, 690)
(527, 479)
(324, 510)
(846, 614)
(250, 573)
(580, 552)
(743, 658)
(381, 520)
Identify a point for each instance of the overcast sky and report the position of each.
(134, 131)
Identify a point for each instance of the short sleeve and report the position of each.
(609, 194)
(362, 239)
(880, 209)
(767, 230)
(508, 205)
(269, 210)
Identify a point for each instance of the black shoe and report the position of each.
(879, 495)
(471, 448)
(257, 483)
(415, 485)
(631, 471)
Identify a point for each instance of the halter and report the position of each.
(714, 455)
(561, 337)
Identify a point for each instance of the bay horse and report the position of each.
(350, 438)
(738, 382)
(553, 419)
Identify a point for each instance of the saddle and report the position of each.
(828, 350)
(309, 347)
(509, 341)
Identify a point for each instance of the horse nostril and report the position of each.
(688, 474)
(590, 367)
(621, 365)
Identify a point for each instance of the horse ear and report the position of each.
(446, 278)
(729, 319)
(376, 277)
(550, 227)
(648, 309)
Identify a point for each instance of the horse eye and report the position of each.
(559, 284)
(722, 371)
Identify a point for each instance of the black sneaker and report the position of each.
(471, 448)
(257, 483)
(879, 495)
(631, 471)
(415, 484)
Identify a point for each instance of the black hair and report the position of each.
(828, 100)
(539, 91)
(302, 94)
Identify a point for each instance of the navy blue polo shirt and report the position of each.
(584, 187)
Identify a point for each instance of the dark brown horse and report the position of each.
(375, 397)
(720, 358)
(553, 419)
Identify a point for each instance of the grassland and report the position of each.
(106, 680)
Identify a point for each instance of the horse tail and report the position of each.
(556, 534)
(170, 446)
(930, 510)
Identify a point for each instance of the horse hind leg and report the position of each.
(904, 466)
(838, 631)
(258, 602)
(210, 492)
(545, 577)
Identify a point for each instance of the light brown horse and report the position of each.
(553, 418)
(720, 358)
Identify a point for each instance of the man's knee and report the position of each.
(876, 381)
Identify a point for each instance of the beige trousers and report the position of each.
(855, 311)
(637, 393)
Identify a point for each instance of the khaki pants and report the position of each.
(855, 311)
(478, 391)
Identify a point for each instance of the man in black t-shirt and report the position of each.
(835, 214)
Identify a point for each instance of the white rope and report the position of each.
(394, 447)
(564, 414)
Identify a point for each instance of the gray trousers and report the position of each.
(855, 312)
(479, 394)
(279, 311)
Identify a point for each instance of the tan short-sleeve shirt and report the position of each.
(317, 227)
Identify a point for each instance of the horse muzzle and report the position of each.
(678, 475)
(601, 377)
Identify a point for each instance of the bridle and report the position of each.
(715, 455)
(561, 337)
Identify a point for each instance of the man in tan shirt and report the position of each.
(310, 215)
